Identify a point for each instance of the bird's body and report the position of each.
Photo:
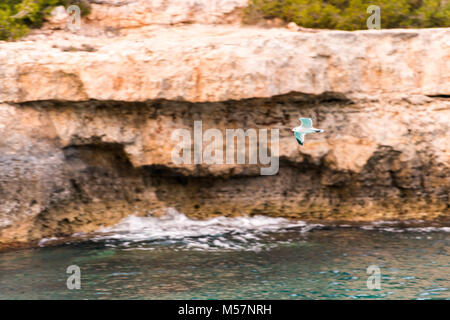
(305, 128)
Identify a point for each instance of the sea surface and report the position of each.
(175, 257)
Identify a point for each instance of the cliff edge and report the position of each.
(86, 119)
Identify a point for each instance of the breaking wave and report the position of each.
(177, 230)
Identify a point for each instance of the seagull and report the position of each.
(305, 128)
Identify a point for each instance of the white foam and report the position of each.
(430, 229)
(379, 225)
(179, 232)
(44, 241)
(221, 233)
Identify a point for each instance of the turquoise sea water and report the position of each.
(179, 258)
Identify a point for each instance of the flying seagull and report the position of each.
(305, 128)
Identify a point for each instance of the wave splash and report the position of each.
(177, 230)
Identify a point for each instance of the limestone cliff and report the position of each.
(86, 119)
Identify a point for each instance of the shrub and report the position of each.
(18, 16)
(351, 14)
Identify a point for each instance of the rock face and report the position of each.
(139, 13)
(217, 63)
(86, 120)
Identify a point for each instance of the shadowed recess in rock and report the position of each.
(78, 166)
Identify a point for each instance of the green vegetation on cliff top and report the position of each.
(18, 16)
(351, 14)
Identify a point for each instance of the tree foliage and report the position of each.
(352, 14)
(18, 16)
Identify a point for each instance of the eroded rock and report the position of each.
(201, 63)
(86, 119)
(75, 166)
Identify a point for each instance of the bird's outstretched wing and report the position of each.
(300, 137)
(306, 122)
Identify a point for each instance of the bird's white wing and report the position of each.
(306, 122)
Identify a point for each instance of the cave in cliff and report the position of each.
(224, 149)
